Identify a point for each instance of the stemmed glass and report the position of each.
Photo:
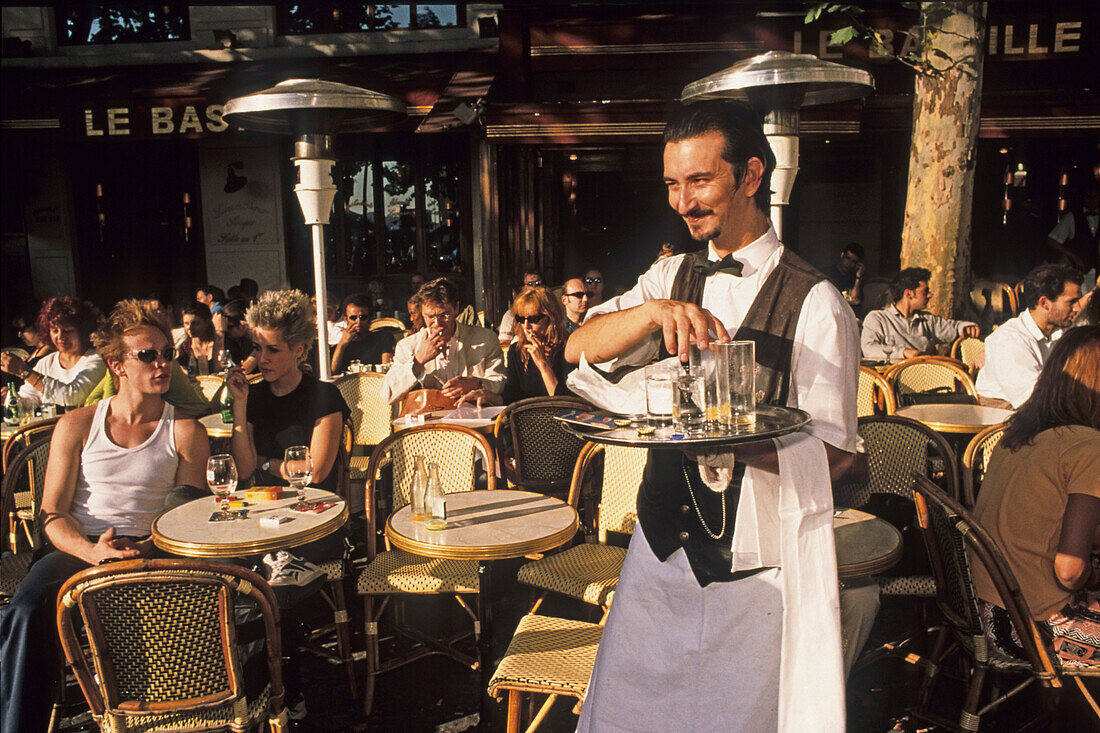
(221, 477)
(298, 468)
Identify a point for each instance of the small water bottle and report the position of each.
(435, 501)
(419, 487)
(13, 408)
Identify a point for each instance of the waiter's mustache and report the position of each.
(697, 212)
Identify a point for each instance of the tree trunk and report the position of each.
(946, 111)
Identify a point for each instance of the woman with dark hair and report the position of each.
(66, 376)
(202, 345)
(1040, 501)
(536, 361)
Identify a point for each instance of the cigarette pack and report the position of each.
(274, 522)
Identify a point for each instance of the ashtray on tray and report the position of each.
(771, 421)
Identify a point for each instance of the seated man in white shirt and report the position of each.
(446, 355)
(1015, 352)
(905, 329)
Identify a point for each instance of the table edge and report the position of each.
(201, 549)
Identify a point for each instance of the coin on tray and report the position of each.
(622, 422)
(646, 430)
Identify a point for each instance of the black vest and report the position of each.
(665, 506)
(1084, 242)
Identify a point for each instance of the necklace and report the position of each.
(698, 513)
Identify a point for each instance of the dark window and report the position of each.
(82, 24)
(355, 18)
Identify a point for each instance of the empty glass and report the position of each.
(704, 363)
(221, 477)
(298, 468)
(737, 381)
(688, 405)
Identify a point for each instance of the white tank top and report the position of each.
(124, 488)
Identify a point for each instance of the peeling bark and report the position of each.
(946, 111)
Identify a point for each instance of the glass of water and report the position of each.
(298, 468)
(221, 477)
(658, 394)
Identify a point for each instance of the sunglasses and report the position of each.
(352, 318)
(533, 283)
(595, 280)
(148, 356)
(578, 294)
(537, 318)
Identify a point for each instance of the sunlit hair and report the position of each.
(1067, 392)
(441, 292)
(542, 301)
(70, 311)
(285, 311)
(125, 318)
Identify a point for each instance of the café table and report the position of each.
(186, 529)
(486, 526)
(865, 544)
(215, 427)
(956, 419)
(483, 422)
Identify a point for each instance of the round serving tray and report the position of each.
(771, 422)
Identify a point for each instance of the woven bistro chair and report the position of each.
(22, 486)
(975, 461)
(370, 416)
(970, 351)
(25, 435)
(931, 379)
(955, 541)
(397, 573)
(380, 323)
(994, 301)
(550, 656)
(210, 384)
(589, 572)
(162, 650)
(874, 395)
(543, 454)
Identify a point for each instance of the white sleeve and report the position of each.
(825, 367)
(400, 378)
(1063, 230)
(89, 372)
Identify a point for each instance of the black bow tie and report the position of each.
(706, 267)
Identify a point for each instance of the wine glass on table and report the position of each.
(221, 477)
(298, 468)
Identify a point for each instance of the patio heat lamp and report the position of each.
(314, 111)
(778, 84)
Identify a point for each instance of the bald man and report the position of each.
(575, 299)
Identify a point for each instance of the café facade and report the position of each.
(532, 140)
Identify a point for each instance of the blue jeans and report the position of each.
(30, 654)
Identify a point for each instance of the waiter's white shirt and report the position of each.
(825, 359)
(1014, 356)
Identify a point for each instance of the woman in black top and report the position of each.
(289, 407)
(536, 361)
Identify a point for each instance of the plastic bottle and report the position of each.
(419, 487)
(435, 501)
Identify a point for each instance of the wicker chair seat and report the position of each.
(358, 467)
(588, 572)
(13, 568)
(255, 712)
(548, 655)
(334, 569)
(921, 586)
(398, 571)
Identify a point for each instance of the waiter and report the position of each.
(700, 636)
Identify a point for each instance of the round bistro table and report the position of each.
(487, 526)
(865, 544)
(955, 418)
(186, 529)
(215, 428)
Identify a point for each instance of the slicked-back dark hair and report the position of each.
(440, 291)
(359, 300)
(740, 126)
(908, 279)
(1049, 281)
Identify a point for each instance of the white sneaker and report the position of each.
(285, 569)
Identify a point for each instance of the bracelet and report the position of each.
(26, 373)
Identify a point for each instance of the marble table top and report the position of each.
(956, 418)
(487, 525)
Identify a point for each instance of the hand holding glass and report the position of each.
(221, 477)
(298, 468)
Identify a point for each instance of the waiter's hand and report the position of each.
(683, 324)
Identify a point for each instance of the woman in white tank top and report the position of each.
(110, 468)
